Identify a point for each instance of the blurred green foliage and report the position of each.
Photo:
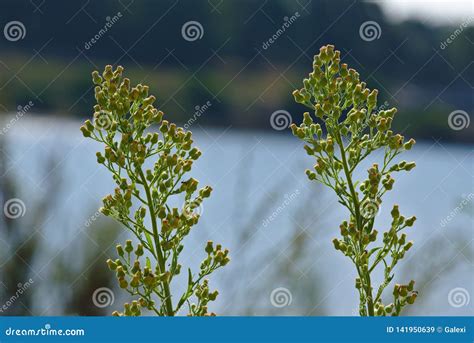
(229, 66)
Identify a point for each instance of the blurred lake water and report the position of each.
(277, 224)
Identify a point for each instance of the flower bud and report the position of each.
(100, 158)
(120, 272)
(213, 295)
(135, 281)
(128, 246)
(206, 192)
(139, 250)
(409, 222)
(408, 145)
(298, 96)
(402, 239)
(395, 212)
(164, 126)
(408, 246)
(85, 132)
(112, 265)
(319, 111)
(96, 78)
(373, 236)
(396, 290)
(209, 248)
(409, 166)
(323, 54)
(411, 299)
(107, 74)
(120, 251)
(123, 283)
(311, 175)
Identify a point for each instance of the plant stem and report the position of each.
(364, 274)
(159, 253)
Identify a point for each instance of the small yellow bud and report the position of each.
(128, 246)
(209, 247)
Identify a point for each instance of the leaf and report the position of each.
(374, 250)
(148, 262)
(190, 277)
(149, 241)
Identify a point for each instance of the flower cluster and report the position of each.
(122, 121)
(350, 129)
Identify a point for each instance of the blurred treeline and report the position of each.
(244, 82)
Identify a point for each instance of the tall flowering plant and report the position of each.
(149, 168)
(343, 128)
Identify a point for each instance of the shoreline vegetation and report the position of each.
(238, 105)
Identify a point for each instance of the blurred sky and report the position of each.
(435, 12)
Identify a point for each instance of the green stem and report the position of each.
(159, 253)
(364, 274)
